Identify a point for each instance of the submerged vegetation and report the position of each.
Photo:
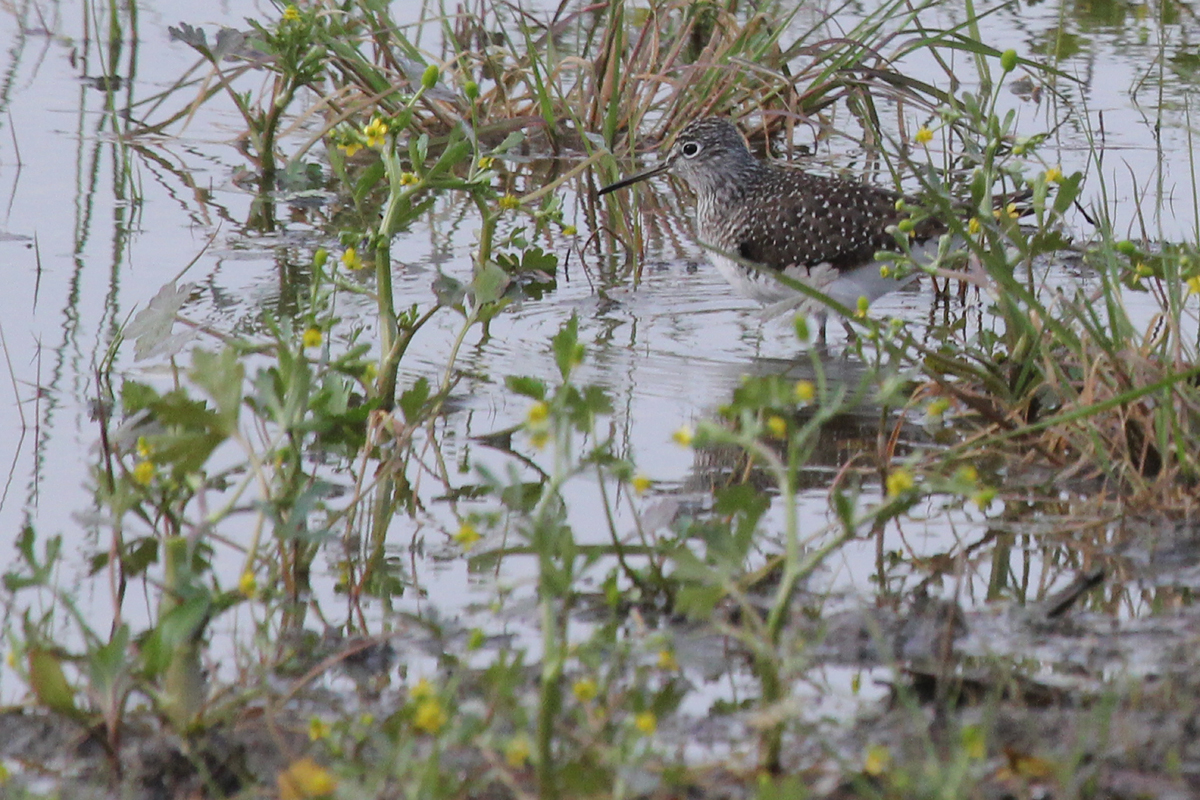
(292, 459)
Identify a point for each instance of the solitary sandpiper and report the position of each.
(821, 231)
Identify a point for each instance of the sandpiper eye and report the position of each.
(690, 149)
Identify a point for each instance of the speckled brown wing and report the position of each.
(812, 220)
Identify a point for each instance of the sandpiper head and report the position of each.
(708, 153)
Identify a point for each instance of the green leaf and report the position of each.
(1068, 190)
(489, 284)
(524, 385)
(49, 684)
(412, 402)
(175, 629)
(221, 376)
(567, 350)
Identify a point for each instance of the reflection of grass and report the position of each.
(229, 456)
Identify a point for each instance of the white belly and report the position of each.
(844, 287)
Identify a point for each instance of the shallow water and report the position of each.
(95, 224)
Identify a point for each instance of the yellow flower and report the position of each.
(291, 14)
(517, 751)
(924, 135)
(350, 148)
(683, 436)
(973, 226)
(983, 498)
(1010, 211)
(509, 202)
(1193, 285)
(641, 483)
(351, 259)
(305, 779)
(143, 473)
(375, 131)
(569, 230)
(646, 722)
(248, 584)
(312, 337)
(537, 414)
(422, 690)
(974, 743)
(585, 690)
(467, 536)
(318, 729)
(408, 179)
(1054, 175)
(777, 425)
(486, 162)
(430, 717)
(877, 761)
(805, 391)
(666, 660)
(938, 408)
(899, 482)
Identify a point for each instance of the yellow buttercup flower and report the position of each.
(351, 259)
(924, 135)
(350, 148)
(585, 690)
(1193, 285)
(777, 425)
(538, 413)
(877, 761)
(805, 391)
(313, 337)
(983, 498)
(467, 536)
(248, 584)
(974, 226)
(486, 162)
(569, 230)
(318, 729)
(1054, 175)
(305, 779)
(646, 722)
(517, 751)
(683, 436)
(291, 14)
(375, 131)
(143, 473)
(641, 483)
(430, 717)
(899, 481)
(408, 179)
(509, 202)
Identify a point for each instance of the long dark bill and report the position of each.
(641, 176)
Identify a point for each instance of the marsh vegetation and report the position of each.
(399, 464)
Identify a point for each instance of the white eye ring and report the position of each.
(690, 150)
